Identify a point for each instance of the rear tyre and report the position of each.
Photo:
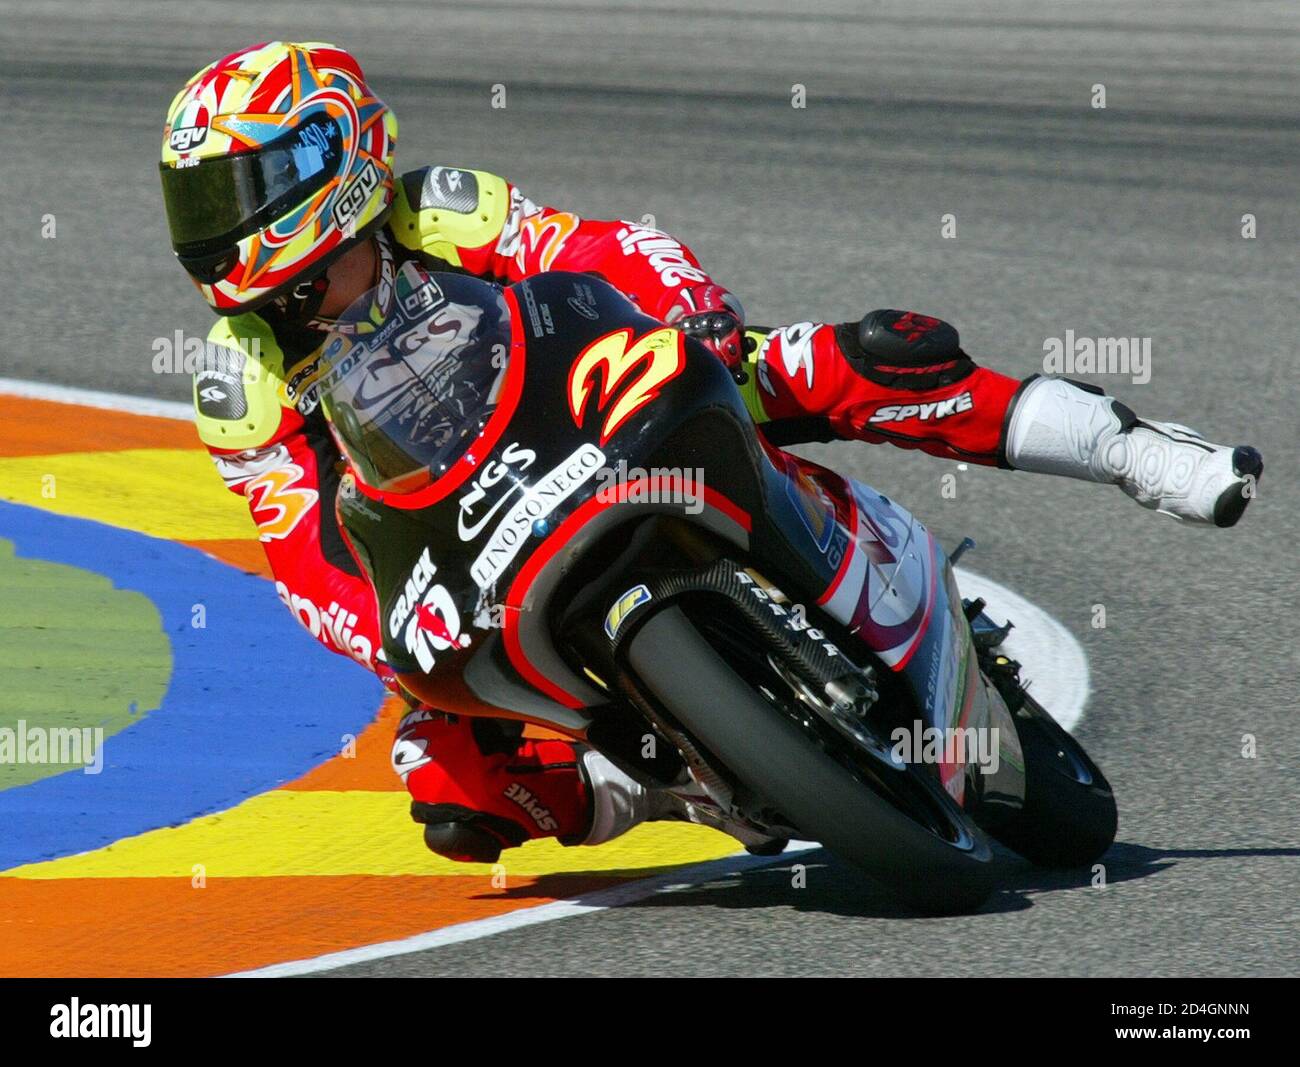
(775, 759)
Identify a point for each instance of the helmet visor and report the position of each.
(214, 203)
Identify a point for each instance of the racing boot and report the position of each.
(478, 787)
(1058, 426)
(619, 802)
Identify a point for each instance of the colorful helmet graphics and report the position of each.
(275, 161)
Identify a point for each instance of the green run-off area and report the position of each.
(75, 652)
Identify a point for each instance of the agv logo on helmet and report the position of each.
(190, 130)
(354, 197)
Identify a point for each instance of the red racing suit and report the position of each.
(258, 413)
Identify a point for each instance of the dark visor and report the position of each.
(217, 202)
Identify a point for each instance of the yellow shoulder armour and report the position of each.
(440, 210)
(750, 391)
(237, 392)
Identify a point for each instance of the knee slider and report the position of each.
(905, 350)
(462, 834)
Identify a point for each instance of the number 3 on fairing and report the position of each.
(660, 356)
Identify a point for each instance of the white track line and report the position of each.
(1052, 659)
(599, 900)
(67, 394)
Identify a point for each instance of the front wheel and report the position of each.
(1069, 816)
(894, 823)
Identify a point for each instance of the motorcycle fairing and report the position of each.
(441, 598)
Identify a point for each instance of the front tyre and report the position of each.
(773, 758)
(1069, 817)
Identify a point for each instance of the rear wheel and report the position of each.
(894, 822)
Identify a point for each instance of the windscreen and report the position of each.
(411, 375)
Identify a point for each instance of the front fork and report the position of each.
(999, 796)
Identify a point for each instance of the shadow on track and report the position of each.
(815, 882)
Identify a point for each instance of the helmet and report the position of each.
(275, 161)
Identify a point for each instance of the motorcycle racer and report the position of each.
(284, 207)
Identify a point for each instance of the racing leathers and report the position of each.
(480, 785)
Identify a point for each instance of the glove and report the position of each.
(714, 317)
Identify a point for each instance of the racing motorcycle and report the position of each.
(569, 518)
